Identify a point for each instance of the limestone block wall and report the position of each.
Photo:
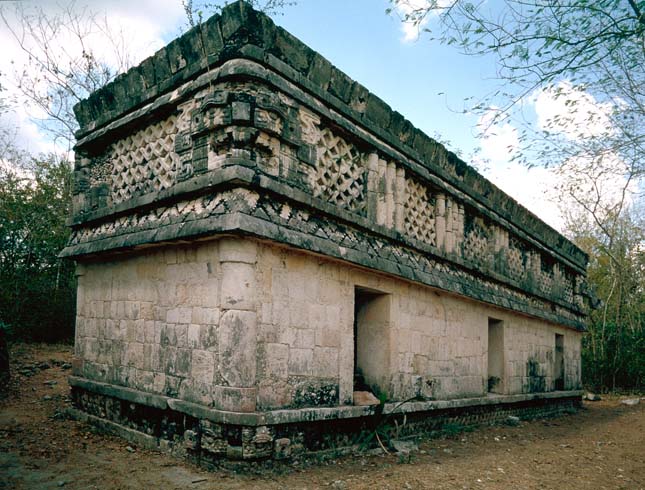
(242, 325)
(165, 143)
(531, 355)
(177, 321)
(305, 330)
(252, 225)
(150, 322)
(437, 342)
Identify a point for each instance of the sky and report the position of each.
(423, 80)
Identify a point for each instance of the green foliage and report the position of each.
(452, 429)
(613, 355)
(38, 288)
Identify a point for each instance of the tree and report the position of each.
(37, 297)
(60, 67)
(586, 55)
(614, 348)
(606, 223)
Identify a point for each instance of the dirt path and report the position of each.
(602, 447)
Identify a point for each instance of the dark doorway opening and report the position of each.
(558, 363)
(371, 340)
(495, 356)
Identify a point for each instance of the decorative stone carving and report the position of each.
(476, 246)
(340, 172)
(516, 260)
(419, 218)
(145, 161)
(100, 172)
(210, 205)
(309, 126)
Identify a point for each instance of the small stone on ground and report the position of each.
(630, 401)
(363, 398)
(404, 446)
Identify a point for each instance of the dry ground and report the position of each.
(601, 447)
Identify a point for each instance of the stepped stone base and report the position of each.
(212, 437)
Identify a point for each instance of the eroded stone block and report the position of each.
(234, 399)
(237, 347)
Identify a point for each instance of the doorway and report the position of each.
(558, 363)
(495, 356)
(371, 340)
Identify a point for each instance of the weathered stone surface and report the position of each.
(404, 447)
(234, 399)
(630, 402)
(282, 448)
(338, 80)
(237, 347)
(247, 436)
(235, 250)
(238, 286)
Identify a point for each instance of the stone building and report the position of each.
(258, 237)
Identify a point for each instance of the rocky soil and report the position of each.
(601, 447)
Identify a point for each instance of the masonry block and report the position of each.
(234, 399)
(237, 347)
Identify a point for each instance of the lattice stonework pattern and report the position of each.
(144, 161)
(545, 282)
(476, 247)
(179, 212)
(340, 173)
(515, 264)
(568, 287)
(419, 217)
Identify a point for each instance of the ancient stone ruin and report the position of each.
(260, 241)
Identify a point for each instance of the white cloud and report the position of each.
(532, 188)
(27, 133)
(601, 183)
(499, 140)
(595, 178)
(416, 14)
(571, 112)
(575, 115)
